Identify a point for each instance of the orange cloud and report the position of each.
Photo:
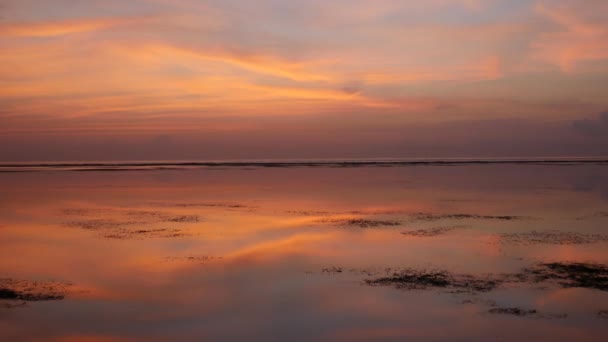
(390, 62)
(60, 28)
(487, 68)
(579, 39)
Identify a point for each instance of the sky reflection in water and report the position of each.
(263, 253)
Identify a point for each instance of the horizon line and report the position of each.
(313, 162)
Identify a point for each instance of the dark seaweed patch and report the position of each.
(122, 234)
(28, 296)
(30, 291)
(226, 205)
(184, 219)
(429, 232)
(526, 312)
(376, 212)
(362, 223)
(193, 259)
(349, 212)
(355, 271)
(585, 275)
(97, 224)
(130, 225)
(356, 212)
(513, 311)
(411, 279)
(332, 270)
(436, 217)
(85, 211)
(367, 223)
(552, 237)
(308, 212)
(121, 230)
(155, 216)
(410, 215)
(142, 216)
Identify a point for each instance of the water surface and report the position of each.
(303, 252)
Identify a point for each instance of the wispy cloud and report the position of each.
(64, 27)
(580, 35)
(170, 65)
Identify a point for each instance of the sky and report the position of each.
(228, 79)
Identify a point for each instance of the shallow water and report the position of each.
(291, 253)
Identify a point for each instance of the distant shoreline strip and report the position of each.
(143, 166)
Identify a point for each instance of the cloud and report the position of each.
(149, 67)
(581, 33)
(63, 27)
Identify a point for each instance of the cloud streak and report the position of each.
(167, 66)
(581, 35)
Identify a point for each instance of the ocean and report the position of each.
(393, 249)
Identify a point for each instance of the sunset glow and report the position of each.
(207, 79)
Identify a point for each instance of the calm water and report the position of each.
(303, 253)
